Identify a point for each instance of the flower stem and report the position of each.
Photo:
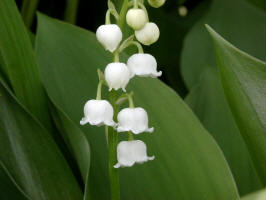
(122, 14)
(111, 132)
(116, 56)
(71, 11)
(129, 43)
(135, 4)
(130, 101)
(144, 8)
(28, 11)
(130, 136)
(112, 145)
(99, 90)
(107, 17)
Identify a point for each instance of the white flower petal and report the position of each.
(134, 120)
(109, 36)
(117, 76)
(98, 113)
(131, 152)
(140, 152)
(149, 34)
(143, 65)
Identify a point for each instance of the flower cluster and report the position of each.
(117, 75)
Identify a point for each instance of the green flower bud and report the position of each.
(136, 18)
(149, 34)
(156, 3)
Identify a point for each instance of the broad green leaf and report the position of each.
(8, 187)
(20, 63)
(188, 164)
(31, 156)
(238, 21)
(259, 195)
(244, 83)
(244, 25)
(207, 100)
(76, 141)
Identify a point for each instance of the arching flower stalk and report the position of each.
(116, 76)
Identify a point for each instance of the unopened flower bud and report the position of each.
(136, 18)
(149, 34)
(117, 76)
(109, 36)
(131, 152)
(143, 65)
(134, 120)
(156, 3)
(98, 112)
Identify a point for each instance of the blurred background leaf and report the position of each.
(68, 58)
(261, 4)
(238, 21)
(244, 80)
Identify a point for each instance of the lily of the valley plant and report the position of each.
(117, 75)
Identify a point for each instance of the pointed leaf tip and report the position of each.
(244, 79)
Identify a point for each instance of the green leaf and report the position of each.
(244, 25)
(31, 156)
(20, 63)
(188, 163)
(76, 141)
(238, 21)
(244, 82)
(259, 195)
(8, 187)
(207, 100)
(259, 3)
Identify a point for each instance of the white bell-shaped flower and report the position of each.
(131, 152)
(98, 112)
(136, 18)
(149, 34)
(134, 120)
(109, 36)
(143, 65)
(117, 76)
